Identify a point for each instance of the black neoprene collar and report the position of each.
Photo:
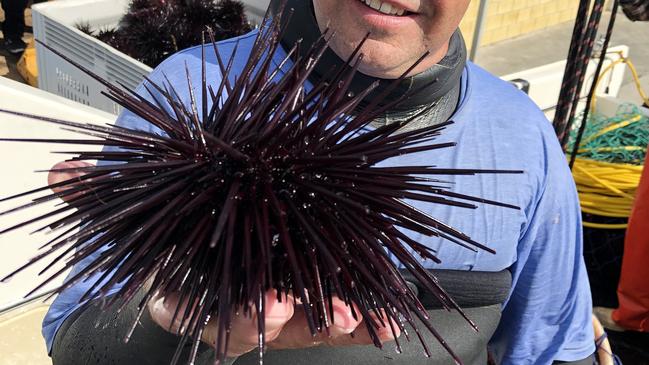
(446, 73)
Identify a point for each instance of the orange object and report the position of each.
(27, 67)
(633, 289)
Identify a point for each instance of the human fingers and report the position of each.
(386, 330)
(244, 332)
(162, 311)
(296, 333)
(55, 177)
(244, 335)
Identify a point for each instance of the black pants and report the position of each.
(14, 23)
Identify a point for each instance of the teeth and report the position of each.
(384, 8)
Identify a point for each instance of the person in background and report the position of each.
(633, 290)
(13, 26)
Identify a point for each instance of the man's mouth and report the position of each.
(385, 8)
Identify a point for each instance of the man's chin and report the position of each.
(377, 61)
(382, 71)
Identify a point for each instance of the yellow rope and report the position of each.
(606, 189)
(634, 73)
(612, 149)
(605, 226)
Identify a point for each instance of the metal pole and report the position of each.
(479, 28)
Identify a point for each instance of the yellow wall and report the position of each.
(510, 18)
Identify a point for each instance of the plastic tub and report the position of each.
(54, 24)
(19, 160)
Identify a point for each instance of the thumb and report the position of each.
(56, 178)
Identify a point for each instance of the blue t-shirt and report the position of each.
(547, 316)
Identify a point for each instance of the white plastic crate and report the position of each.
(545, 81)
(19, 160)
(54, 24)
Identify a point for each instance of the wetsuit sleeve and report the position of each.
(95, 335)
(548, 314)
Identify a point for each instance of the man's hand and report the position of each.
(56, 177)
(286, 325)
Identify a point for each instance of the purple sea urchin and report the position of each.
(152, 30)
(275, 186)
